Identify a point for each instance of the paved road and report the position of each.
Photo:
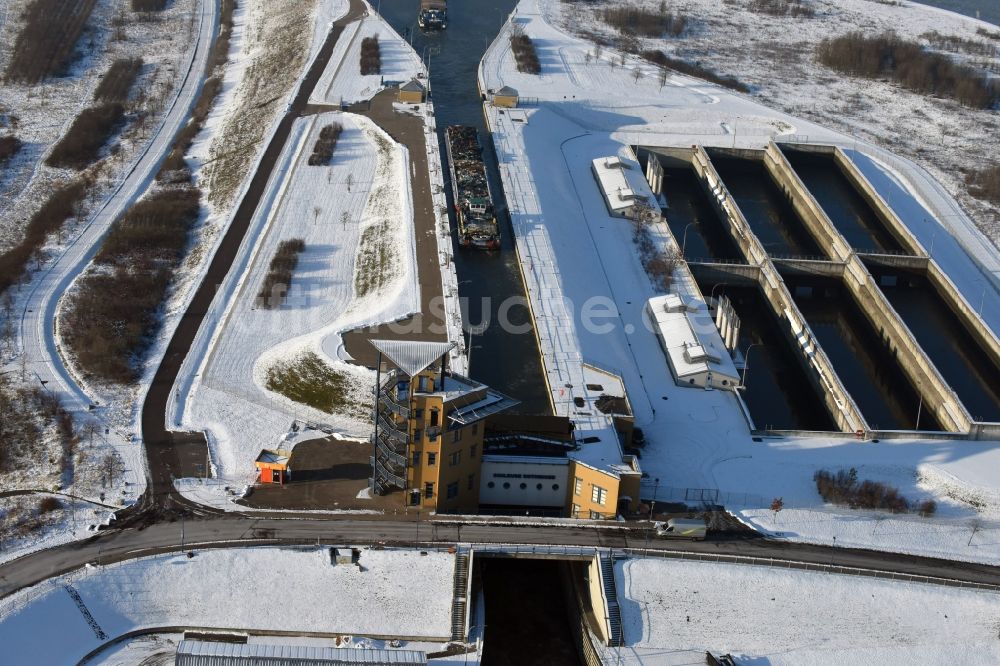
(230, 531)
(37, 325)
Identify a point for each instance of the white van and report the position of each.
(682, 528)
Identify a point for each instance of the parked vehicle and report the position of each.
(682, 528)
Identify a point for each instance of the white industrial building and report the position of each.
(691, 342)
(623, 185)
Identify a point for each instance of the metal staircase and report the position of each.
(615, 637)
(459, 602)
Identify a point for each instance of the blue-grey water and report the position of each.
(987, 10)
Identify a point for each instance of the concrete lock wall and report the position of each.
(818, 367)
(967, 315)
(885, 214)
(923, 375)
(830, 241)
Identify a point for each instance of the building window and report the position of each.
(577, 486)
(432, 458)
(491, 485)
(555, 486)
(524, 486)
(472, 481)
(453, 490)
(418, 435)
(455, 458)
(435, 415)
(415, 498)
(418, 414)
(538, 487)
(416, 458)
(595, 515)
(428, 490)
(506, 485)
(456, 435)
(576, 510)
(599, 495)
(472, 451)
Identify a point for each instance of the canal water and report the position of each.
(769, 214)
(841, 201)
(508, 361)
(778, 393)
(527, 621)
(954, 352)
(864, 364)
(692, 219)
(986, 10)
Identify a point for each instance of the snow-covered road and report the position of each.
(37, 334)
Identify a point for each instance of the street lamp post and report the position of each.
(684, 239)
(746, 362)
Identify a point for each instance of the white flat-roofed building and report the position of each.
(691, 342)
(623, 184)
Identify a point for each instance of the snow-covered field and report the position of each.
(391, 593)
(673, 611)
(698, 439)
(343, 82)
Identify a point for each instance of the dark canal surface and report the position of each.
(506, 361)
(987, 10)
(778, 392)
(526, 620)
(954, 352)
(864, 364)
(843, 204)
(768, 213)
(692, 219)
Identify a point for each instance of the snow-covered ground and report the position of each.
(392, 593)
(36, 361)
(570, 247)
(329, 207)
(673, 611)
(343, 83)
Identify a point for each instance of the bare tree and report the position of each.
(664, 74)
(975, 524)
(637, 74)
(316, 211)
(587, 57)
(777, 504)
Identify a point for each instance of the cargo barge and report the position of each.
(433, 15)
(476, 216)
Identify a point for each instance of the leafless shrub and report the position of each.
(10, 145)
(61, 205)
(791, 8)
(645, 22)
(49, 504)
(275, 286)
(149, 5)
(694, 69)
(907, 63)
(82, 143)
(844, 488)
(371, 56)
(985, 183)
(46, 45)
(525, 54)
(325, 144)
(113, 313)
(927, 508)
(118, 81)
(658, 263)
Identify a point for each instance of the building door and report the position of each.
(275, 476)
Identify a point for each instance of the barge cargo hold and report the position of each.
(477, 223)
(433, 15)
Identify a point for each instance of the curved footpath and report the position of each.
(231, 532)
(37, 325)
(169, 454)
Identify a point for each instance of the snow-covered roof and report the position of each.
(412, 357)
(689, 335)
(494, 403)
(506, 91)
(412, 86)
(278, 457)
(205, 653)
(621, 181)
